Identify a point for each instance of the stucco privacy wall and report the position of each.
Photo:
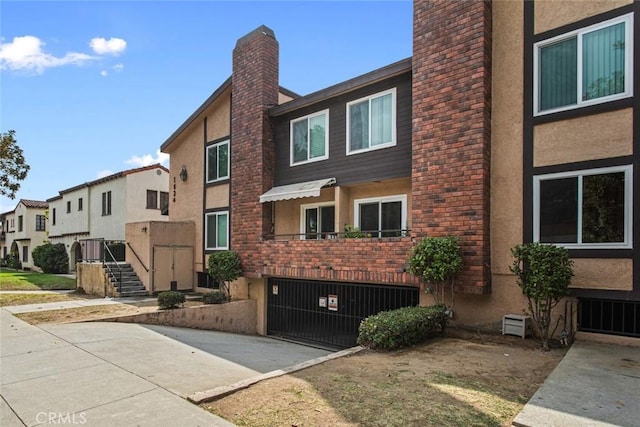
(550, 14)
(583, 138)
(612, 274)
(238, 317)
(143, 236)
(92, 279)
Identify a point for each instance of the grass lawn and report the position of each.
(14, 280)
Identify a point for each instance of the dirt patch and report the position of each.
(98, 312)
(463, 379)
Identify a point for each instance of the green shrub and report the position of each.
(224, 267)
(51, 258)
(14, 262)
(544, 273)
(390, 330)
(215, 297)
(351, 232)
(170, 299)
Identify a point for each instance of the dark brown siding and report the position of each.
(387, 163)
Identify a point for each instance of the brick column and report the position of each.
(254, 90)
(452, 130)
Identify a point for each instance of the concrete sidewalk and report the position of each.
(595, 384)
(117, 374)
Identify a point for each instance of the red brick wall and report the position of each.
(254, 90)
(451, 130)
(351, 260)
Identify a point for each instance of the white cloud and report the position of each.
(149, 159)
(27, 53)
(103, 173)
(104, 73)
(114, 46)
(118, 67)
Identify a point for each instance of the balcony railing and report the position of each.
(349, 234)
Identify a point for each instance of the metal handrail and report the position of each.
(104, 264)
(137, 257)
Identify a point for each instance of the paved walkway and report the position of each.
(119, 374)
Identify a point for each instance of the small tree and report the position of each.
(436, 260)
(51, 258)
(224, 267)
(13, 167)
(544, 273)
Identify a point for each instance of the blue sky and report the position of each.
(95, 87)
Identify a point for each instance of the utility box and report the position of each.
(516, 324)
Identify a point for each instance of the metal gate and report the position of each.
(328, 313)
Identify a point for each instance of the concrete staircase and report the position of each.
(125, 280)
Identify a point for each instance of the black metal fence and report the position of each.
(609, 317)
(328, 313)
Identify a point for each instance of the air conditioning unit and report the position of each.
(516, 324)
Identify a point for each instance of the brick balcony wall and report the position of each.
(369, 260)
(451, 130)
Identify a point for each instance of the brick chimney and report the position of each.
(452, 130)
(255, 88)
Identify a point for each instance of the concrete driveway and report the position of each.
(116, 374)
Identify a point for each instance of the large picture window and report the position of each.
(310, 138)
(218, 161)
(371, 122)
(217, 230)
(318, 221)
(584, 209)
(382, 217)
(584, 67)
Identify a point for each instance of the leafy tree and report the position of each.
(51, 258)
(13, 167)
(436, 260)
(224, 267)
(544, 273)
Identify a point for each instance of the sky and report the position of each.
(92, 88)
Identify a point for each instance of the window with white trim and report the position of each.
(382, 216)
(584, 209)
(218, 161)
(318, 221)
(584, 67)
(310, 138)
(371, 122)
(217, 230)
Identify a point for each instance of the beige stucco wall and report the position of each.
(551, 14)
(592, 137)
(91, 277)
(612, 274)
(186, 197)
(237, 316)
(257, 292)
(288, 212)
(217, 196)
(137, 184)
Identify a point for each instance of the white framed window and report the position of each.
(584, 209)
(371, 122)
(218, 161)
(381, 216)
(217, 230)
(310, 138)
(588, 66)
(318, 221)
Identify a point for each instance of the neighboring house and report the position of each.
(100, 209)
(23, 229)
(512, 122)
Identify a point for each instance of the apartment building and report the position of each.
(100, 209)
(23, 229)
(512, 122)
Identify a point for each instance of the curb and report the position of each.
(222, 391)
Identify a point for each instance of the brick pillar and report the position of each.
(452, 130)
(254, 90)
